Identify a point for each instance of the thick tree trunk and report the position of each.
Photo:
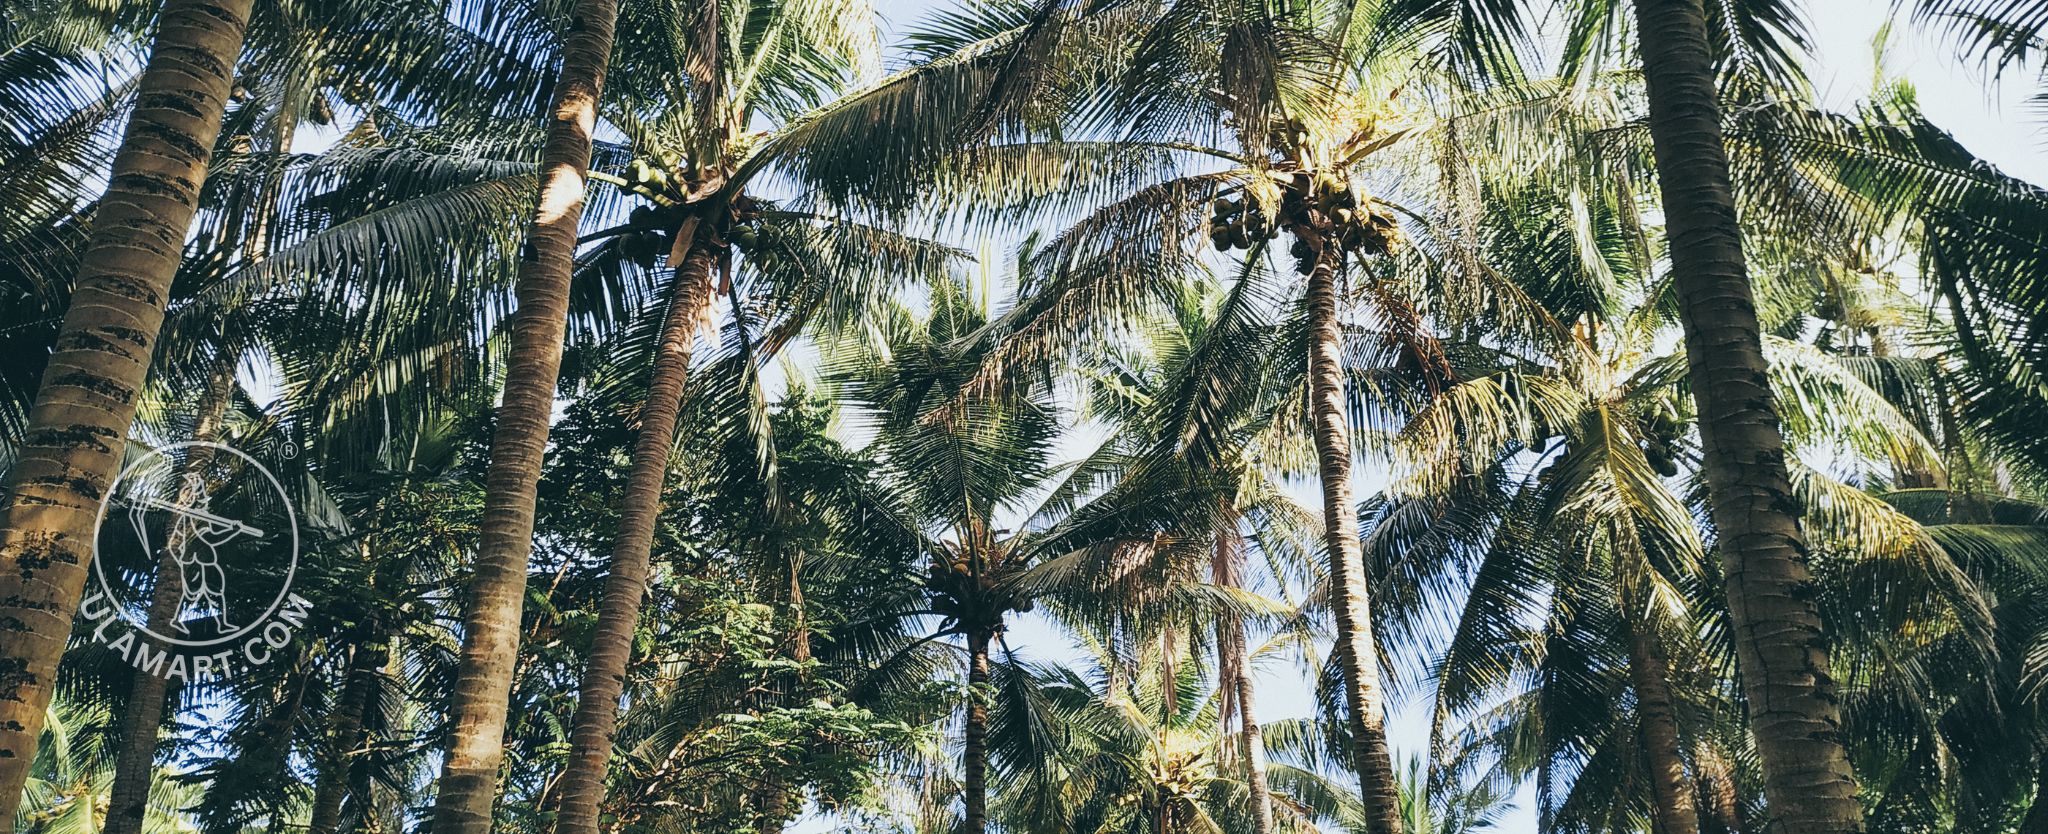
(974, 753)
(1349, 599)
(1657, 718)
(497, 590)
(1234, 667)
(597, 703)
(345, 737)
(72, 447)
(1781, 652)
(143, 715)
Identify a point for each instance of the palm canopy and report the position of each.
(888, 465)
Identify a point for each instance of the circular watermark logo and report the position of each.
(194, 554)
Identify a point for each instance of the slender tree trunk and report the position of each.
(611, 648)
(1657, 716)
(1781, 651)
(345, 738)
(1254, 752)
(497, 590)
(143, 715)
(78, 426)
(1349, 599)
(1234, 664)
(975, 750)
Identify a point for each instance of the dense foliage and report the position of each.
(1178, 416)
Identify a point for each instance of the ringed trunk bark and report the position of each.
(1349, 599)
(1781, 651)
(1657, 716)
(975, 750)
(604, 677)
(497, 590)
(77, 428)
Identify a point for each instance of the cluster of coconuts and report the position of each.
(1660, 429)
(668, 182)
(1322, 202)
(953, 575)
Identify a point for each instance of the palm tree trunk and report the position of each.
(1349, 600)
(345, 737)
(1254, 750)
(1717, 791)
(497, 590)
(597, 702)
(1234, 664)
(72, 446)
(1781, 652)
(975, 748)
(1657, 716)
(142, 716)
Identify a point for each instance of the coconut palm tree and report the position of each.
(801, 262)
(73, 438)
(1577, 502)
(1780, 646)
(490, 648)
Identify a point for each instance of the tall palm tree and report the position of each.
(1781, 650)
(490, 645)
(76, 433)
(1197, 412)
(957, 475)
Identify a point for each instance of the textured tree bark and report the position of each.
(1781, 651)
(604, 677)
(1657, 717)
(497, 590)
(345, 738)
(143, 715)
(72, 447)
(1349, 599)
(974, 751)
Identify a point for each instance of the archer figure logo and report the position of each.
(196, 550)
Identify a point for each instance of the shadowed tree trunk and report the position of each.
(143, 715)
(346, 738)
(1349, 600)
(604, 677)
(497, 588)
(974, 784)
(1781, 652)
(1671, 792)
(76, 431)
